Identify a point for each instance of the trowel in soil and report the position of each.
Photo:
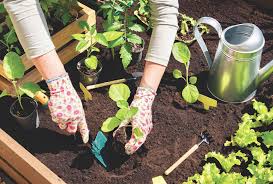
(97, 145)
(207, 101)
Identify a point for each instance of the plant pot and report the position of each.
(28, 119)
(137, 53)
(88, 76)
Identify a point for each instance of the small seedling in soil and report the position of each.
(186, 26)
(118, 19)
(182, 54)
(120, 94)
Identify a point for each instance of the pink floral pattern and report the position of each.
(143, 100)
(66, 107)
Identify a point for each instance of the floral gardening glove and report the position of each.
(143, 100)
(66, 107)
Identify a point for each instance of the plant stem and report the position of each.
(18, 94)
(113, 53)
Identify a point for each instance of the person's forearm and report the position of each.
(164, 22)
(31, 28)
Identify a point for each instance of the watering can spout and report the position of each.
(265, 73)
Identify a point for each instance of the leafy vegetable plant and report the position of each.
(182, 54)
(14, 70)
(258, 160)
(120, 94)
(118, 19)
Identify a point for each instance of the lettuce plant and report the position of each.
(120, 94)
(118, 19)
(182, 54)
(258, 160)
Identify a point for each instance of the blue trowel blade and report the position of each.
(97, 145)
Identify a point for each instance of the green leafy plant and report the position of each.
(14, 70)
(182, 54)
(143, 12)
(120, 94)
(87, 42)
(186, 28)
(260, 160)
(62, 10)
(118, 19)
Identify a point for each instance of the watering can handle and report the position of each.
(216, 25)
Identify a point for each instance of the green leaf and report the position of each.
(119, 92)
(78, 36)
(137, 132)
(2, 8)
(91, 62)
(30, 89)
(181, 52)
(270, 157)
(112, 35)
(95, 49)
(4, 93)
(84, 25)
(263, 174)
(135, 39)
(66, 18)
(258, 154)
(268, 138)
(118, 8)
(116, 43)
(193, 80)
(227, 162)
(11, 37)
(13, 66)
(259, 107)
(137, 28)
(126, 54)
(190, 93)
(110, 124)
(101, 39)
(122, 104)
(82, 45)
(114, 27)
(177, 74)
(17, 50)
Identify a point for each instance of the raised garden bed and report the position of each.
(64, 46)
(176, 124)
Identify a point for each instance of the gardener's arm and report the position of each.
(31, 28)
(164, 19)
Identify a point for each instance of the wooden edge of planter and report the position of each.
(21, 165)
(64, 36)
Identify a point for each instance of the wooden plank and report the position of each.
(9, 170)
(25, 163)
(64, 36)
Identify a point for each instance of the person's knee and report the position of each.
(164, 12)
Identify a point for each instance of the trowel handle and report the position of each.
(41, 97)
(105, 84)
(184, 157)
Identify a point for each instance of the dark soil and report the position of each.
(28, 107)
(176, 124)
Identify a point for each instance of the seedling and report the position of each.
(120, 94)
(118, 19)
(182, 54)
(185, 32)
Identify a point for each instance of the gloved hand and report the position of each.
(143, 100)
(66, 107)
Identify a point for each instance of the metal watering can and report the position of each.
(235, 72)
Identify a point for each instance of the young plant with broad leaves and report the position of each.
(120, 94)
(87, 42)
(182, 54)
(118, 19)
(14, 70)
(143, 12)
(252, 144)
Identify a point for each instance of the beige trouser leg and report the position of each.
(30, 25)
(164, 21)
